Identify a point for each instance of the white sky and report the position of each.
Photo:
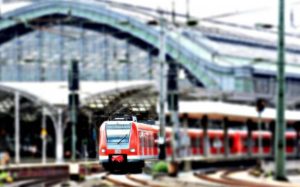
(266, 10)
(209, 7)
(258, 11)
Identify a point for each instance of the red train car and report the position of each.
(126, 145)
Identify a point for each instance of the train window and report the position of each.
(266, 142)
(145, 140)
(168, 144)
(256, 142)
(141, 139)
(245, 142)
(193, 141)
(152, 140)
(230, 142)
(217, 143)
(290, 142)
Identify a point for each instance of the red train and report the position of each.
(129, 143)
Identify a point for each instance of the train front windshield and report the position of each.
(117, 136)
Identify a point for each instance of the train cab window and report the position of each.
(117, 135)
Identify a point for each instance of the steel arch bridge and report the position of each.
(192, 57)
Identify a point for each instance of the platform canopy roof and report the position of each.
(56, 93)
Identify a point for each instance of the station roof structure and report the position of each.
(224, 51)
(218, 48)
(56, 93)
(97, 96)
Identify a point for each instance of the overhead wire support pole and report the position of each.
(280, 144)
(59, 130)
(61, 52)
(17, 127)
(44, 136)
(162, 90)
(105, 54)
(41, 73)
(260, 140)
(74, 103)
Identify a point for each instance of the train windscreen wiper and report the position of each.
(122, 139)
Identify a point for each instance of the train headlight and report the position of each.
(103, 150)
(132, 150)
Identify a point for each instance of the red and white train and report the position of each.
(129, 143)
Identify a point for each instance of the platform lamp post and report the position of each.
(162, 84)
(162, 80)
(73, 102)
(162, 88)
(280, 143)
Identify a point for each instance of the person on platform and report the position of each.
(4, 156)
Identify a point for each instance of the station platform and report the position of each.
(76, 170)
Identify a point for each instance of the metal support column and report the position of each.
(162, 92)
(298, 142)
(82, 47)
(249, 137)
(150, 63)
(40, 68)
(272, 131)
(280, 173)
(260, 143)
(187, 143)
(61, 52)
(59, 137)
(105, 56)
(187, 4)
(44, 136)
(1, 65)
(205, 136)
(74, 102)
(128, 66)
(226, 138)
(17, 127)
(18, 58)
(172, 90)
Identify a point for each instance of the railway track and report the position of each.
(134, 181)
(211, 179)
(225, 179)
(44, 182)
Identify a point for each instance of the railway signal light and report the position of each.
(74, 76)
(260, 105)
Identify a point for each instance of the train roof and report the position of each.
(234, 112)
